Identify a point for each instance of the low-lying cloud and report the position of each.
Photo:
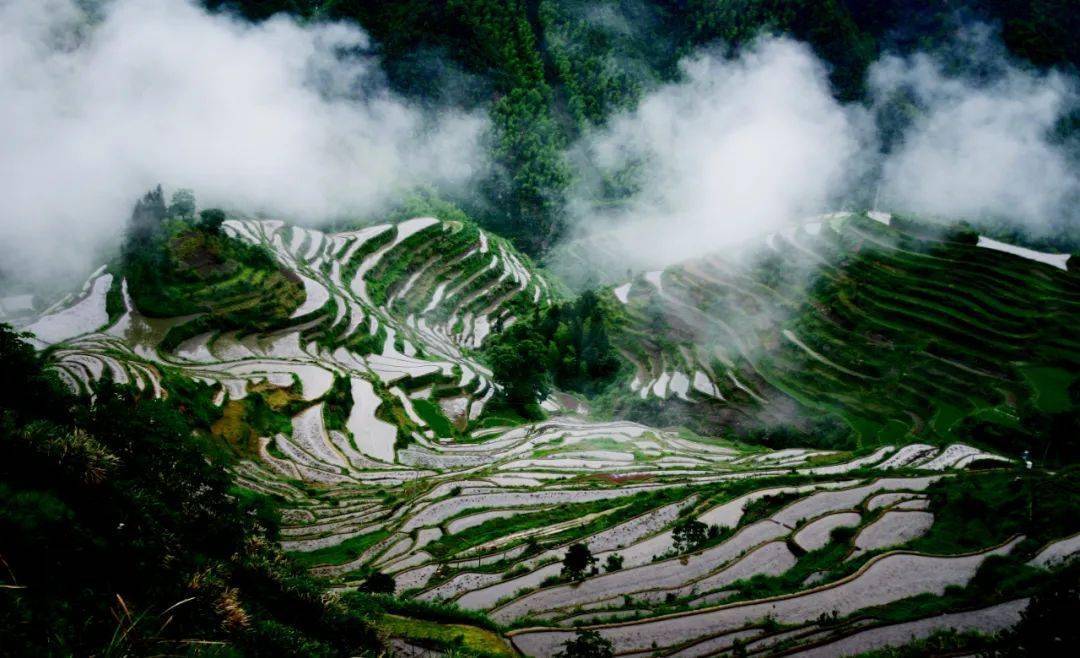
(980, 149)
(736, 148)
(743, 145)
(100, 101)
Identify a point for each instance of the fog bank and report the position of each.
(743, 145)
(980, 149)
(738, 147)
(274, 117)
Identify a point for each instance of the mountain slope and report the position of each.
(363, 415)
(903, 331)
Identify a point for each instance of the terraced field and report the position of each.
(364, 414)
(901, 335)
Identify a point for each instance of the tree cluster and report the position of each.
(564, 345)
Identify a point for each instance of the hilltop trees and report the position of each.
(182, 204)
(564, 345)
(210, 220)
(146, 219)
(172, 260)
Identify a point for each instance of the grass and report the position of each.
(828, 559)
(1051, 387)
(224, 283)
(474, 641)
(1000, 578)
(189, 270)
(432, 414)
(415, 608)
(976, 510)
(938, 331)
(628, 507)
(350, 549)
(265, 412)
(942, 643)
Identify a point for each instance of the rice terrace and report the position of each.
(529, 401)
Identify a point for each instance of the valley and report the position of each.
(364, 408)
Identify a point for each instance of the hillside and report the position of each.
(369, 414)
(902, 330)
(539, 328)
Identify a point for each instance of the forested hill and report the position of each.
(414, 409)
(545, 70)
(562, 404)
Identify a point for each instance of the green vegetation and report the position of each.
(688, 535)
(119, 537)
(827, 560)
(464, 640)
(587, 644)
(617, 511)
(984, 509)
(904, 334)
(564, 345)
(1047, 626)
(578, 562)
(350, 549)
(432, 414)
(122, 531)
(434, 625)
(543, 70)
(177, 266)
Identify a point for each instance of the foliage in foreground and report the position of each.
(119, 537)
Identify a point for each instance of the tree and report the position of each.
(518, 364)
(565, 345)
(182, 204)
(111, 505)
(1048, 626)
(688, 535)
(146, 217)
(577, 561)
(614, 562)
(378, 583)
(587, 644)
(211, 219)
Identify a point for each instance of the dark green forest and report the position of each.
(564, 346)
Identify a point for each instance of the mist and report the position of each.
(982, 147)
(746, 144)
(100, 101)
(735, 149)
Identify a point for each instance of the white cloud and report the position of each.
(736, 148)
(739, 147)
(980, 149)
(275, 117)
